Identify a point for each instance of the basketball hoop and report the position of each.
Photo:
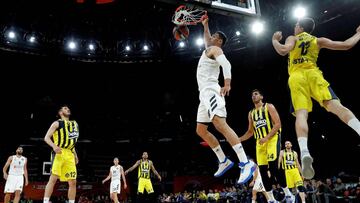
(188, 16)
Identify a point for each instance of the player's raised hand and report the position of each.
(277, 36)
(358, 29)
(205, 19)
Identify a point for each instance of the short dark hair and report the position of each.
(222, 36)
(62, 106)
(257, 90)
(59, 109)
(308, 24)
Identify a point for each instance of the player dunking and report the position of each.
(116, 173)
(212, 104)
(306, 81)
(15, 177)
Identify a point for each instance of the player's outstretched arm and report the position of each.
(207, 34)
(107, 178)
(154, 170)
(133, 167)
(339, 45)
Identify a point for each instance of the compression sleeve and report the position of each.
(226, 66)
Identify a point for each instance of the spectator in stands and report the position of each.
(311, 190)
(325, 193)
(211, 196)
(329, 183)
(216, 195)
(339, 187)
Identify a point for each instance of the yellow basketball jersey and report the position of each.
(262, 122)
(66, 135)
(289, 160)
(144, 169)
(305, 53)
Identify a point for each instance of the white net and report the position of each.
(188, 16)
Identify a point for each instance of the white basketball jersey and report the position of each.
(115, 172)
(208, 71)
(17, 166)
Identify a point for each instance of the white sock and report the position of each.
(252, 201)
(46, 200)
(271, 196)
(71, 201)
(303, 146)
(287, 191)
(238, 148)
(354, 123)
(219, 153)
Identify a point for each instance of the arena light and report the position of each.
(11, 35)
(91, 47)
(299, 12)
(146, 47)
(182, 44)
(257, 27)
(32, 39)
(72, 45)
(237, 33)
(199, 41)
(127, 48)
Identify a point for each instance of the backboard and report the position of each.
(225, 7)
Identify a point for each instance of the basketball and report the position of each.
(181, 32)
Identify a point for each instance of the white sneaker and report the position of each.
(223, 167)
(307, 169)
(246, 172)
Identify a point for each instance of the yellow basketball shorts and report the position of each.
(268, 151)
(293, 178)
(64, 166)
(145, 183)
(305, 84)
